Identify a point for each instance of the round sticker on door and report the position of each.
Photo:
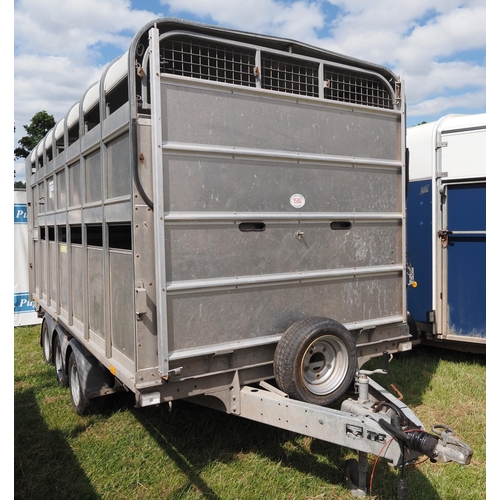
(297, 201)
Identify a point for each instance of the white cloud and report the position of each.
(412, 35)
(52, 83)
(57, 49)
(62, 47)
(72, 27)
(291, 19)
(442, 105)
(442, 77)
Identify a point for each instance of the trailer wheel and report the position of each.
(315, 361)
(81, 403)
(46, 348)
(412, 326)
(57, 356)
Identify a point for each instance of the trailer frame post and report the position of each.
(159, 211)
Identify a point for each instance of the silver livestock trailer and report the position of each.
(221, 217)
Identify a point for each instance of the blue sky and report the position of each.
(438, 47)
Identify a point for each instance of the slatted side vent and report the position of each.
(357, 88)
(193, 58)
(211, 60)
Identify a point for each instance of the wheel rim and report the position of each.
(46, 343)
(324, 365)
(58, 362)
(74, 383)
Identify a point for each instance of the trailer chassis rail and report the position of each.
(375, 423)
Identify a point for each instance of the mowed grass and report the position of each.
(195, 453)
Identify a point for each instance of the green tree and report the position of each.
(40, 124)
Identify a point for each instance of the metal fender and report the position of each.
(93, 376)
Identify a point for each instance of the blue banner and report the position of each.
(20, 213)
(22, 303)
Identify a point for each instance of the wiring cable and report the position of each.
(372, 475)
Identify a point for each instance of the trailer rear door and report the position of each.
(464, 252)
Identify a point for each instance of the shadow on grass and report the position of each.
(195, 438)
(44, 465)
(411, 372)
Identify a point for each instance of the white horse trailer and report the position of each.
(447, 231)
(221, 217)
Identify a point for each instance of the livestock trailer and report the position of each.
(447, 231)
(221, 217)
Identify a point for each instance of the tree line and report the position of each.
(37, 129)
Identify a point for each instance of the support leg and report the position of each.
(356, 474)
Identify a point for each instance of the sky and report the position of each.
(437, 47)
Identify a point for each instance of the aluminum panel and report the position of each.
(237, 185)
(215, 317)
(60, 159)
(118, 211)
(77, 281)
(53, 272)
(117, 120)
(90, 139)
(122, 288)
(75, 184)
(218, 250)
(96, 290)
(228, 118)
(50, 196)
(45, 267)
(72, 152)
(61, 189)
(119, 176)
(63, 278)
(93, 181)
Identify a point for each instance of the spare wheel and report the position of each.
(315, 361)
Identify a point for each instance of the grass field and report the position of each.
(193, 453)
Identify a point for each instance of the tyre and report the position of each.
(412, 326)
(57, 356)
(46, 347)
(81, 403)
(315, 361)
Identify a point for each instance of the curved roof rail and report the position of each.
(39, 148)
(48, 138)
(116, 72)
(91, 97)
(73, 115)
(59, 129)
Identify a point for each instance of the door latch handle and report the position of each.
(444, 235)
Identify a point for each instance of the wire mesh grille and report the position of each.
(287, 74)
(357, 88)
(217, 61)
(208, 60)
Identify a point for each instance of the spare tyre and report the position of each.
(315, 361)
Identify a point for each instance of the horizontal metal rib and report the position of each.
(249, 343)
(193, 286)
(181, 148)
(467, 233)
(215, 349)
(194, 217)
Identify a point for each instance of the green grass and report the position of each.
(196, 453)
